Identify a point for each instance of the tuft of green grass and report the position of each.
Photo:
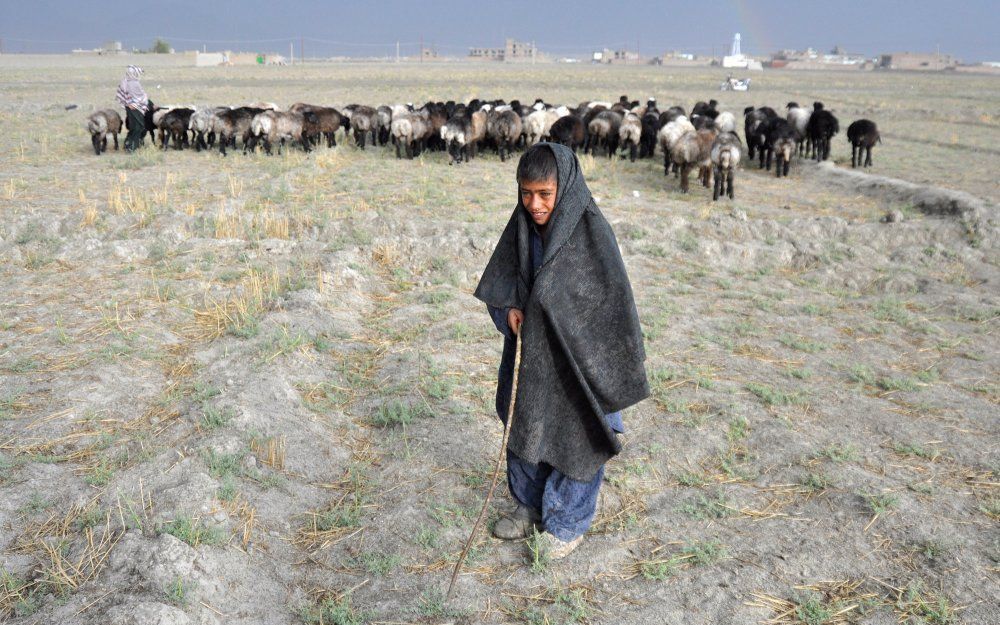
(774, 397)
(910, 449)
(377, 563)
(18, 595)
(897, 384)
(221, 465)
(812, 610)
(700, 553)
(396, 413)
(862, 375)
(838, 453)
(334, 611)
(738, 429)
(816, 482)
(539, 556)
(227, 490)
(801, 344)
(573, 606)
(428, 537)
(799, 373)
(932, 549)
(915, 601)
(10, 404)
(702, 507)
(345, 514)
(658, 570)
(433, 605)
(689, 478)
(991, 506)
(35, 504)
(178, 590)
(193, 531)
(213, 417)
(880, 503)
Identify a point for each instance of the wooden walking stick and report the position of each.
(496, 471)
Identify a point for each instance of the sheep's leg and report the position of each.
(716, 185)
(398, 154)
(116, 141)
(854, 155)
(729, 183)
(787, 164)
(868, 157)
(223, 141)
(666, 163)
(633, 151)
(95, 141)
(685, 171)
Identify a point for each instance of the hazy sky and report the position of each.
(969, 29)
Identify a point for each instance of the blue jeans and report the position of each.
(567, 505)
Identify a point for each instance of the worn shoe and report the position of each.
(519, 524)
(555, 549)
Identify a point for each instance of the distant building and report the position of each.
(108, 48)
(737, 60)
(917, 61)
(617, 57)
(810, 58)
(513, 50)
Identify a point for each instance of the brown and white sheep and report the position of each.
(101, 124)
(272, 127)
(694, 149)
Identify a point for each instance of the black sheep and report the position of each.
(822, 126)
(863, 135)
(780, 145)
(754, 123)
(174, 125)
(569, 131)
(650, 128)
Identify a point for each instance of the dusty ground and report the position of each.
(259, 390)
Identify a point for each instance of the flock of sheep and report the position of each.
(704, 139)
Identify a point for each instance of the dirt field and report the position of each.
(258, 389)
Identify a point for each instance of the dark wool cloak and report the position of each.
(582, 353)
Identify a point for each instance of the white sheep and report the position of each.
(629, 134)
(726, 152)
(798, 119)
(669, 135)
(725, 122)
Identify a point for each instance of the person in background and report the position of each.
(132, 96)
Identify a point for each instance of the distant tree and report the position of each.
(160, 47)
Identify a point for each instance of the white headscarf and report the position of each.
(130, 92)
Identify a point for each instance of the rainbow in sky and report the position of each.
(755, 37)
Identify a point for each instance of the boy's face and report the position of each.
(539, 197)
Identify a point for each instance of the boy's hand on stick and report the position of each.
(515, 317)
